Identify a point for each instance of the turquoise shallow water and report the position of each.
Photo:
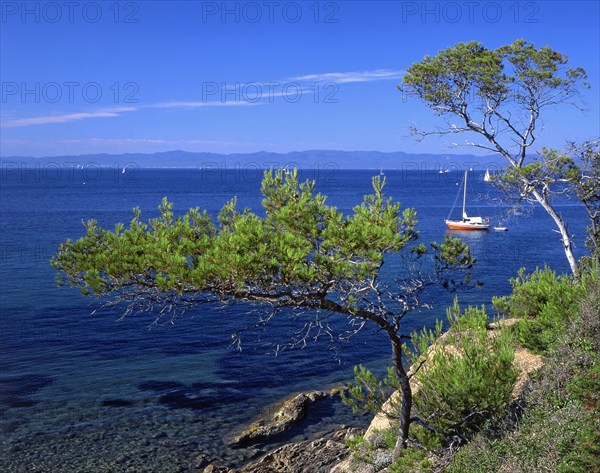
(81, 391)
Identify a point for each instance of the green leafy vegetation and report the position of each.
(559, 430)
(501, 94)
(414, 461)
(468, 377)
(544, 303)
(368, 392)
(471, 319)
(467, 419)
(587, 190)
(465, 380)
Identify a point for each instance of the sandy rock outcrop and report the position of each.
(526, 361)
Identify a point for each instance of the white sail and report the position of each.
(467, 222)
(488, 176)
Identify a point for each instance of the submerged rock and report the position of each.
(117, 403)
(285, 415)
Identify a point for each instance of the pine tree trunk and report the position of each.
(562, 228)
(406, 404)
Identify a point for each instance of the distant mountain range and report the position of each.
(312, 159)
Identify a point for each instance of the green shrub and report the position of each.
(368, 392)
(468, 378)
(414, 460)
(585, 387)
(544, 303)
(549, 439)
(471, 319)
(559, 430)
(353, 443)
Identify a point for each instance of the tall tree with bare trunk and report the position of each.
(497, 98)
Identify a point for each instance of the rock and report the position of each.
(527, 363)
(218, 469)
(289, 412)
(201, 462)
(316, 456)
(503, 323)
(381, 421)
(309, 456)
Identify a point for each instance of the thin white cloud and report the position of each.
(126, 141)
(123, 141)
(195, 104)
(108, 113)
(349, 77)
(69, 117)
(337, 77)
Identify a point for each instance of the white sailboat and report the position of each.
(488, 176)
(467, 223)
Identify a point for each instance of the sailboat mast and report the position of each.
(465, 198)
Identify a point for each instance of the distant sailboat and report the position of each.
(467, 223)
(488, 176)
(381, 173)
(123, 171)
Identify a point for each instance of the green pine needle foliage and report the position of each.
(466, 379)
(544, 303)
(468, 376)
(559, 431)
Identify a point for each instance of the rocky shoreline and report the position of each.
(314, 455)
(329, 453)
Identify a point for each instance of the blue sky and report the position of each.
(147, 76)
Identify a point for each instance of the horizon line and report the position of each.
(448, 154)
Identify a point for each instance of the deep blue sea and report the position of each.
(82, 391)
